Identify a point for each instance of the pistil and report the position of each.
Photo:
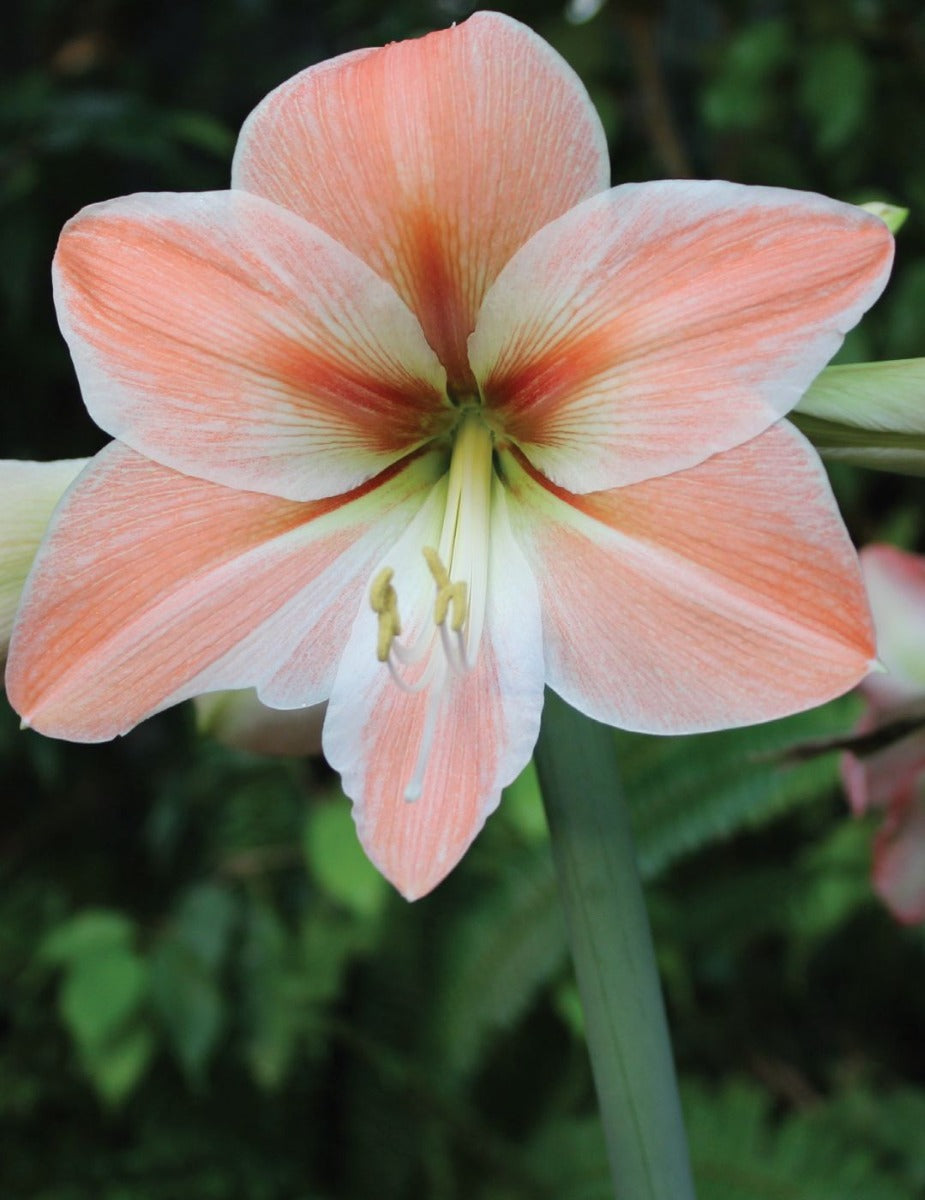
(459, 568)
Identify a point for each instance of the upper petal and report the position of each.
(153, 586)
(29, 492)
(715, 597)
(662, 322)
(432, 160)
(482, 725)
(221, 335)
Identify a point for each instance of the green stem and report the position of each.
(614, 960)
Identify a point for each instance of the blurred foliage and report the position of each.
(205, 990)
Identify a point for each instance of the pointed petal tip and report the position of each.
(412, 880)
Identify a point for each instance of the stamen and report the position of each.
(437, 569)
(384, 601)
(448, 593)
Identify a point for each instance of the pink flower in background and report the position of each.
(421, 415)
(892, 780)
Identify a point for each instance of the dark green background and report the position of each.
(204, 991)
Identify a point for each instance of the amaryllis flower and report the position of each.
(421, 415)
(891, 778)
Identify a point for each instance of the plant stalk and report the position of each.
(611, 944)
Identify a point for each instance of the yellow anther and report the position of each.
(447, 592)
(455, 594)
(381, 593)
(384, 601)
(437, 569)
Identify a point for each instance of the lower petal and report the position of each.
(481, 726)
(153, 586)
(718, 596)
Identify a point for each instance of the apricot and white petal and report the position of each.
(152, 586)
(432, 160)
(899, 861)
(29, 492)
(456, 743)
(660, 323)
(718, 596)
(895, 582)
(225, 337)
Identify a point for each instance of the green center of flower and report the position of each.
(448, 643)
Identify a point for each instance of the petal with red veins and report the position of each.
(481, 727)
(432, 160)
(224, 337)
(718, 596)
(152, 586)
(899, 861)
(659, 323)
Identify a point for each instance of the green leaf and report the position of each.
(741, 93)
(835, 92)
(89, 931)
(336, 859)
(835, 881)
(117, 1065)
(100, 992)
(686, 792)
(203, 131)
(189, 1004)
(741, 1152)
(904, 305)
(522, 806)
(509, 943)
(570, 1158)
(204, 922)
(271, 1015)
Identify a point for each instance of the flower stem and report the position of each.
(614, 959)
